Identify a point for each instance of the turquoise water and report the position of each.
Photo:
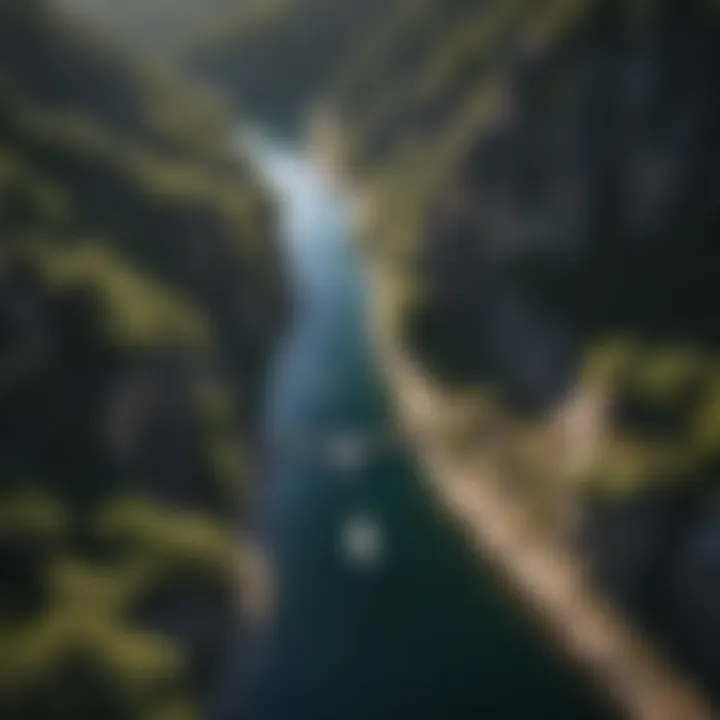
(383, 611)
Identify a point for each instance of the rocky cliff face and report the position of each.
(141, 292)
(544, 179)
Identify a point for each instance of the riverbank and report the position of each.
(382, 610)
(534, 564)
(532, 558)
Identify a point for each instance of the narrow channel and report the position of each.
(383, 611)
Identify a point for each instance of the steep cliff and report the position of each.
(540, 185)
(141, 292)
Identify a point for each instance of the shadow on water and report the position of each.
(383, 611)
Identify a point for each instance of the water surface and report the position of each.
(384, 613)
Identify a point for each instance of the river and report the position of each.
(383, 612)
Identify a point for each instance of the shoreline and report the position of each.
(549, 581)
(547, 577)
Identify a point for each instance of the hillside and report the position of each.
(141, 292)
(538, 186)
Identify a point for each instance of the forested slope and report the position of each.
(140, 295)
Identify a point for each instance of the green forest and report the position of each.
(141, 294)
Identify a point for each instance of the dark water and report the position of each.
(399, 622)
